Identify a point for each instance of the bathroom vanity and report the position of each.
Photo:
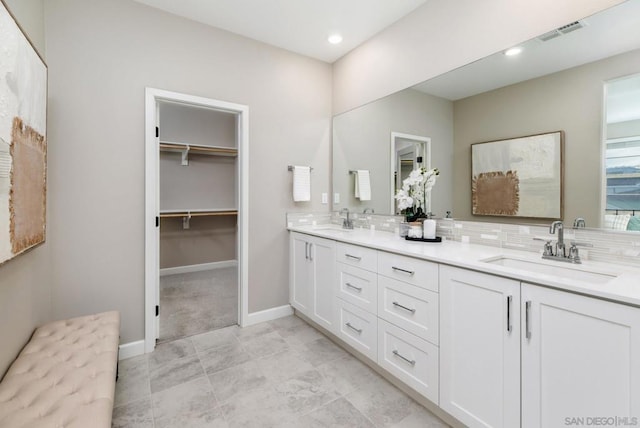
(494, 337)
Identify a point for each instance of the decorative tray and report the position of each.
(436, 239)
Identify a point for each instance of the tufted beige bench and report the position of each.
(65, 376)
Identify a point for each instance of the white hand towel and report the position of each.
(301, 183)
(363, 185)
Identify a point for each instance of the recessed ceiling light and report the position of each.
(334, 39)
(513, 51)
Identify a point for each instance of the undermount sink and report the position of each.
(573, 272)
(332, 228)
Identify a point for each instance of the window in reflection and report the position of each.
(622, 150)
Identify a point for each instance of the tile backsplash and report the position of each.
(612, 247)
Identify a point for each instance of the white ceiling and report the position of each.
(607, 33)
(300, 26)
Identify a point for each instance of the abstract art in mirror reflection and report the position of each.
(518, 177)
(23, 151)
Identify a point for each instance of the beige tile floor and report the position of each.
(282, 373)
(197, 302)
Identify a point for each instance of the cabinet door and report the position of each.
(322, 253)
(480, 348)
(580, 359)
(300, 288)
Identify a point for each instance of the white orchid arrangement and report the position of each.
(415, 188)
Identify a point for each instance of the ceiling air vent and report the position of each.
(565, 29)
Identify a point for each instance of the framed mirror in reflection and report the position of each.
(408, 153)
(559, 81)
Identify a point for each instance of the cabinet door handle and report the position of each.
(349, 256)
(413, 311)
(358, 330)
(358, 289)
(527, 319)
(310, 251)
(410, 272)
(509, 300)
(397, 354)
(306, 250)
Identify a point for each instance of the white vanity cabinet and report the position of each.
(580, 359)
(488, 350)
(312, 276)
(480, 348)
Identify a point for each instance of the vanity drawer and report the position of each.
(414, 271)
(412, 308)
(358, 328)
(365, 258)
(358, 287)
(411, 359)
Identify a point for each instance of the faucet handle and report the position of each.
(580, 244)
(548, 249)
(574, 255)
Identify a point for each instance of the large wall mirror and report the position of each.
(581, 78)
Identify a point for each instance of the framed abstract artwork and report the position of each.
(23, 143)
(518, 177)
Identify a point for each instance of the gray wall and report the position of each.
(101, 56)
(362, 140)
(25, 285)
(208, 239)
(442, 35)
(571, 101)
(30, 17)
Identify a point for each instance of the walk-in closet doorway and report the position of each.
(196, 215)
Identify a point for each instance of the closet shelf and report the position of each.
(198, 213)
(185, 149)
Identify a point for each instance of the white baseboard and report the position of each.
(268, 315)
(198, 268)
(131, 349)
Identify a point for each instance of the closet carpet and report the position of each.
(281, 373)
(197, 302)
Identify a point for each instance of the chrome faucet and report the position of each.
(347, 223)
(560, 253)
(579, 223)
(560, 247)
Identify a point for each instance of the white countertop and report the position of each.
(623, 287)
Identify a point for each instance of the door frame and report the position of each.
(152, 203)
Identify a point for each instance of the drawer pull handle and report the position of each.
(527, 319)
(349, 256)
(509, 300)
(410, 272)
(358, 330)
(397, 354)
(358, 289)
(413, 311)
